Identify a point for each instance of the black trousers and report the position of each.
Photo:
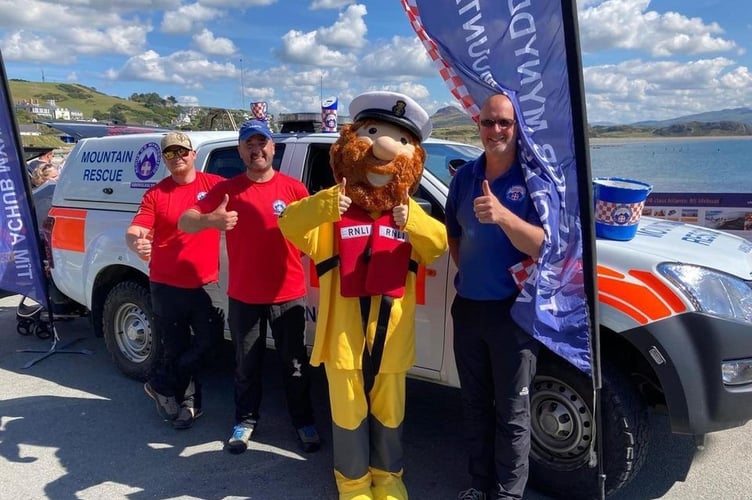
(248, 324)
(496, 365)
(177, 312)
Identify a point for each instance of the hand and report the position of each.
(344, 200)
(223, 219)
(487, 207)
(400, 212)
(143, 243)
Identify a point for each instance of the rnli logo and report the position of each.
(147, 161)
(278, 207)
(516, 193)
(200, 196)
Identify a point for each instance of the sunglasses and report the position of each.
(174, 153)
(501, 122)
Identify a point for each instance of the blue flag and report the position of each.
(21, 269)
(524, 50)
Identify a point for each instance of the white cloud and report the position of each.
(209, 44)
(242, 4)
(386, 60)
(187, 68)
(184, 19)
(329, 4)
(24, 46)
(627, 24)
(349, 31)
(188, 100)
(635, 90)
(302, 48)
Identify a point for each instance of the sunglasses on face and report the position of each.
(174, 153)
(501, 122)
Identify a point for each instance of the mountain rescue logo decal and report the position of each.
(516, 193)
(278, 207)
(146, 165)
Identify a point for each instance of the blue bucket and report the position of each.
(618, 206)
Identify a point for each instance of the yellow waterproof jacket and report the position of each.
(309, 225)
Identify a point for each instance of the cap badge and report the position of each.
(399, 108)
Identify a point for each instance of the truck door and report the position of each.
(430, 317)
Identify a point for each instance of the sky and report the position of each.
(642, 59)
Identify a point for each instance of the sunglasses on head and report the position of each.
(174, 153)
(501, 122)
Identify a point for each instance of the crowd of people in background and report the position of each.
(45, 167)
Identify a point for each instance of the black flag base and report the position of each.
(55, 348)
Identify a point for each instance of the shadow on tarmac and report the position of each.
(103, 437)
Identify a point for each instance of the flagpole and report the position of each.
(39, 289)
(585, 194)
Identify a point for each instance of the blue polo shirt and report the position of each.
(485, 252)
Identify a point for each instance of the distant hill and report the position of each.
(450, 116)
(88, 100)
(741, 115)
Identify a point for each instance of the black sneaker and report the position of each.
(309, 438)
(186, 417)
(241, 436)
(167, 406)
(472, 494)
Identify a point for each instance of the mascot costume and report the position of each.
(367, 239)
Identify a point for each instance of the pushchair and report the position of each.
(33, 319)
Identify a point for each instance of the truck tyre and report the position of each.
(128, 333)
(562, 423)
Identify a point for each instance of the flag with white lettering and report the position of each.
(529, 51)
(21, 269)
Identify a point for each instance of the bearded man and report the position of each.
(367, 238)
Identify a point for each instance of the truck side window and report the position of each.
(318, 173)
(226, 162)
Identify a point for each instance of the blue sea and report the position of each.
(699, 165)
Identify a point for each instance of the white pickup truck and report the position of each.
(675, 304)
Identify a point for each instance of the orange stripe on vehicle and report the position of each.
(661, 289)
(623, 307)
(607, 271)
(420, 286)
(639, 296)
(75, 213)
(69, 230)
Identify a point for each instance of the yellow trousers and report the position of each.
(367, 434)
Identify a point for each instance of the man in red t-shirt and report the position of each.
(266, 282)
(184, 281)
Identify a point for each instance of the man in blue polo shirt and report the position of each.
(491, 226)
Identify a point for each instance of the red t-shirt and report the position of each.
(264, 268)
(179, 259)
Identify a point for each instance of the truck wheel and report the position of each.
(128, 334)
(563, 420)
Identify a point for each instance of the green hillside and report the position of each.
(92, 103)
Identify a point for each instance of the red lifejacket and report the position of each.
(374, 255)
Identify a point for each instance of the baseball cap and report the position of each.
(176, 139)
(254, 127)
(392, 107)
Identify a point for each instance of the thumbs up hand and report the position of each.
(344, 200)
(143, 243)
(487, 207)
(400, 212)
(221, 218)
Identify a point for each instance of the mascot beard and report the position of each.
(352, 158)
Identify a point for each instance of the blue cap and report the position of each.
(254, 127)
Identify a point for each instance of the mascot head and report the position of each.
(379, 153)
